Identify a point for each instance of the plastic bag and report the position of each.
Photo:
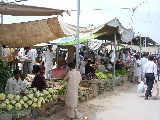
(155, 90)
(141, 87)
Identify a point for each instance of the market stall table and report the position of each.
(14, 65)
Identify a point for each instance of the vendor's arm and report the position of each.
(44, 81)
(105, 69)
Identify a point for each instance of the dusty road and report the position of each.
(131, 106)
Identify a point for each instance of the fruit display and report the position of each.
(89, 76)
(122, 72)
(104, 75)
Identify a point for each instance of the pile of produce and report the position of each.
(88, 76)
(85, 84)
(104, 75)
(122, 72)
(61, 91)
(32, 99)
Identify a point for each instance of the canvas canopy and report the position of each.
(30, 33)
(25, 10)
(42, 31)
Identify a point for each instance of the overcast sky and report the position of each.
(145, 20)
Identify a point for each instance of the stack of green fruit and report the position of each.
(103, 75)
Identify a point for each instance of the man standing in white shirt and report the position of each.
(49, 56)
(137, 70)
(150, 71)
(29, 54)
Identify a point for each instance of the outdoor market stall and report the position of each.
(25, 34)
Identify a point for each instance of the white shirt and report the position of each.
(34, 54)
(30, 55)
(5, 51)
(14, 86)
(21, 52)
(150, 67)
(49, 55)
(143, 62)
(137, 68)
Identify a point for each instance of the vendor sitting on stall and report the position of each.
(89, 68)
(101, 68)
(39, 79)
(118, 65)
(15, 85)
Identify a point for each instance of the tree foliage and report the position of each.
(5, 74)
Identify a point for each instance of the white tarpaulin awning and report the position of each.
(25, 10)
(126, 34)
(94, 44)
(123, 34)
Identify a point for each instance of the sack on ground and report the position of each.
(155, 90)
(141, 87)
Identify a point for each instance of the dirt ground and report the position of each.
(90, 107)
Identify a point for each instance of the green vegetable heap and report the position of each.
(104, 75)
(61, 91)
(122, 72)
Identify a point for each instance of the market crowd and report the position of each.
(143, 67)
